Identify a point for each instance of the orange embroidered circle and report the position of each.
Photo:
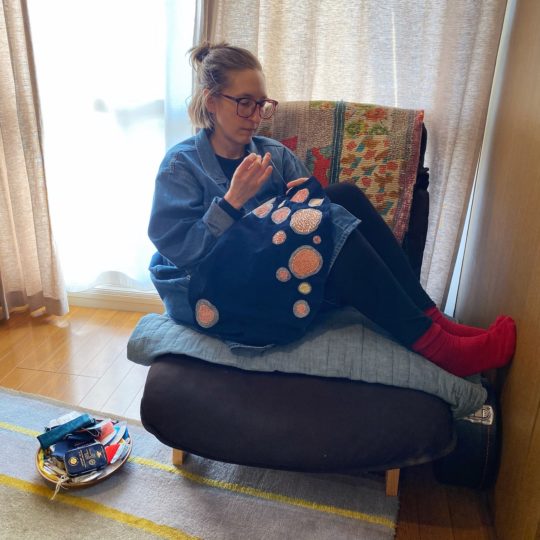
(300, 196)
(305, 261)
(282, 274)
(263, 210)
(317, 239)
(306, 221)
(206, 313)
(315, 202)
(304, 287)
(280, 215)
(279, 237)
(301, 309)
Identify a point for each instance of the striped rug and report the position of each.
(150, 498)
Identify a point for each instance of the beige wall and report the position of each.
(501, 272)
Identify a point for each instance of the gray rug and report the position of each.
(150, 498)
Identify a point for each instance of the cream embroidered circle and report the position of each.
(300, 196)
(279, 237)
(301, 309)
(304, 287)
(282, 274)
(263, 210)
(317, 239)
(280, 215)
(305, 261)
(306, 221)
(206, 313)
(315, 202)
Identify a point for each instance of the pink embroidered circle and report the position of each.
(206, 313)
(279, 237)
(282, 274)
(263, 210)
(300, 196)
(305, 261)
(317, 239)
(301, 309)
(280, 215)
(304, 287)
(306, 221)
(315, 202)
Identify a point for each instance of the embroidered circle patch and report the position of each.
(315, 202)
(304, 287)
(301, 309)
(280, 215)
(206, 313)
(263, 210)
(306, 221)
(305, 261)
(317, 239)
(282, 274)
(300, 196)
(279, 237)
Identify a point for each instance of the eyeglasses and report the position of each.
(245, 107)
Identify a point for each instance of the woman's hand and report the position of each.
(296, 182)
(248, 178)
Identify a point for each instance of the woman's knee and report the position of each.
(348, 195)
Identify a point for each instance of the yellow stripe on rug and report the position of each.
(245, 490)
(237, 488)
(19, 429)
(97, 508)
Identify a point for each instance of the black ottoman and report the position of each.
(293, 422)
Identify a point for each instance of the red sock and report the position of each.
(452, 327)
(465, 356)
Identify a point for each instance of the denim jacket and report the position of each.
(186, 219)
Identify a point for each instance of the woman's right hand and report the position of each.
(248, 178)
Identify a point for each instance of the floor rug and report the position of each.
(150, 498)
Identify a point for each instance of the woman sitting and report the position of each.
(250, 250)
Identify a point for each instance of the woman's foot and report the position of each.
(467, 355)
(457, 329)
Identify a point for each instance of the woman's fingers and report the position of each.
(296, 182)
(247, 163)
(266, 175)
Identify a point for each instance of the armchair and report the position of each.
(304, 422)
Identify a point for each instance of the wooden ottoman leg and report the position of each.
(392, 482)
(178, 456)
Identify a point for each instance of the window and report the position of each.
(113, 81)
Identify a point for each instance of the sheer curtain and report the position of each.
(434, 55)
(114, 79)
(29, 271)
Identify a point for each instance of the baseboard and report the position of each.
(146, 302)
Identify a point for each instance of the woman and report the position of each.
(210, 186)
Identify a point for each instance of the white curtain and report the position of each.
(436, 55)
(114, 79)
(30, 275)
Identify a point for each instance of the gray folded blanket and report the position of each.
(339, 344)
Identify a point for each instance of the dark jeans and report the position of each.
(372, 272)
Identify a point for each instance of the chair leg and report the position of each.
(392, 482)
(178, 457)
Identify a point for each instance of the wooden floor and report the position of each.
(80, 359)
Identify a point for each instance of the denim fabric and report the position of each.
(264, 281)
(186, 219)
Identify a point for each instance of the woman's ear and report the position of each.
(209, 101)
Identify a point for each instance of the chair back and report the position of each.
(377, 148)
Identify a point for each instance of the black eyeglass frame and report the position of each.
(260, 103)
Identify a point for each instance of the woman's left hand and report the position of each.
(296, 182)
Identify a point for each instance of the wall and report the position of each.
(501, 271)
